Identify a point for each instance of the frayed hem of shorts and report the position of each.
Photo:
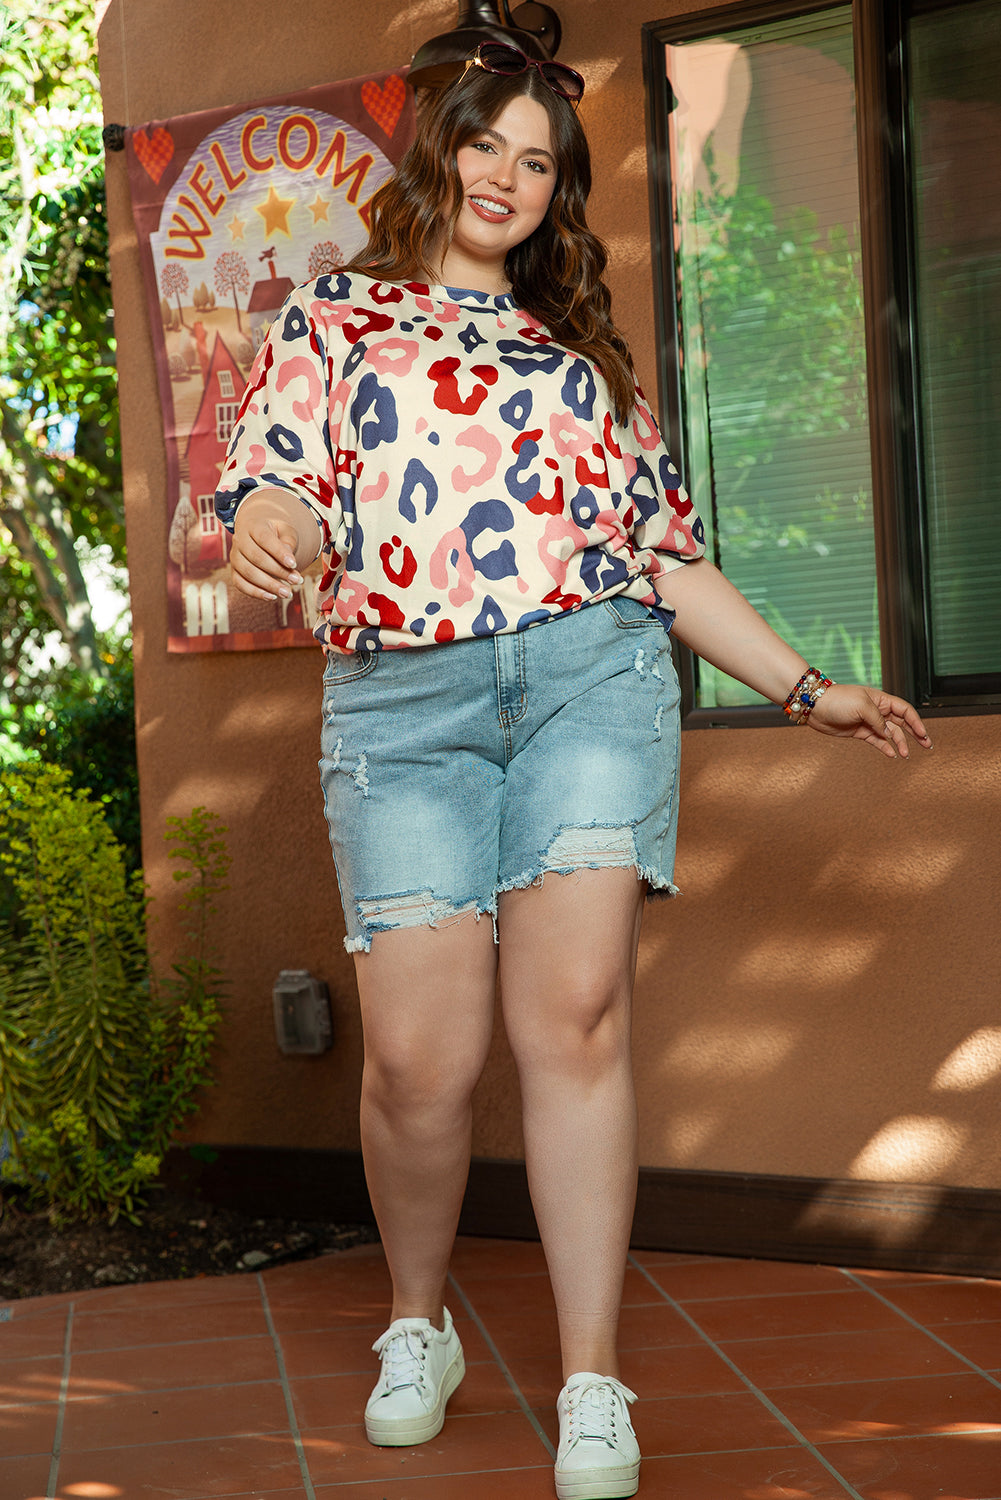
(658, 886)
(434, 919)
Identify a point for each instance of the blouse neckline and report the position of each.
(464, 296)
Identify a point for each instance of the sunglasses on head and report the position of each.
(500, 58)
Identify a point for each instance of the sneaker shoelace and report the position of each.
(403, 1355)
(592, 1410)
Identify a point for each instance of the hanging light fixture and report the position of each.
(532, 26)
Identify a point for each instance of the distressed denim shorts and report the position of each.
(452, 773)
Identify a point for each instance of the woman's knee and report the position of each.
(420, 1077)
(585, 1027)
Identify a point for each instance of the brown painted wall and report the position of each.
(822, 1001)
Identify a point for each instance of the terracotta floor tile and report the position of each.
(980, 1342)
(194, 1291)
(504, 1297)
(847, 1311)
(765, 1474)
(654, 1325)
(465, 1445)
(743, 1278)
(819, 1359)
(948, 1301)
(892, 1408)
(296, 1493)
(172, 1367)
(30, 1336)
(539, 1377)
(694, 1424)
(25, 1478)
(28, 1429)
(685, 1371)
(674, 1258)
(917, 1278)
(498, 1257)
(965, 1467)
(174, 1416)
(345, 1309)
(30, 1380)
(125, 1329)
(501, 1484)
(525, 1333)
(183, 1470)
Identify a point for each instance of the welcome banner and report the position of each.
(235, 207)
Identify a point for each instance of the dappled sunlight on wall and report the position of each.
(975, 1062)
(913, 1148)
(816, 1002)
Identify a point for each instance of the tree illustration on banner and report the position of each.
(174, 281)
(232, 275)
(324, 258)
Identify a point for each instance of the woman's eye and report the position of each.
(537, 166)
(482, 146)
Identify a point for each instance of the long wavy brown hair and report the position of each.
(555, 274)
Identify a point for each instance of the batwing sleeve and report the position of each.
(281, 437)
(665, 521)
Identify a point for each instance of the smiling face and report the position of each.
(508, 173)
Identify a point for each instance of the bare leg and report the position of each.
(568, 958)
(427, 999)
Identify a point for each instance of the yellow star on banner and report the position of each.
(318, 208)
(236, 227)
(274, 212)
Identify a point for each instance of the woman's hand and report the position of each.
(871, 715)
(272, 539)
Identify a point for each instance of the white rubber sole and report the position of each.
(404, 1432)
(599, 1484)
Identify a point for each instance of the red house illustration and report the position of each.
(206, 453)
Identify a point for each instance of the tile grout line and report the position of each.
(755, 1391)
(57, 1437)
(515, 1387)
(293, 1421)
(923, 1328)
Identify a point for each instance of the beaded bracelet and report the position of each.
(805, 696)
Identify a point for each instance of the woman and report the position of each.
(453, 421)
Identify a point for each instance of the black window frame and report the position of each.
(889, 293)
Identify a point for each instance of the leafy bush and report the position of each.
(99, 1064)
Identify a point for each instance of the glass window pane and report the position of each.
(765, 187)
(955, 60)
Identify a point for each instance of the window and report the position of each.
(208, 520)
(226, 384)
(225, 416)
(853, 512)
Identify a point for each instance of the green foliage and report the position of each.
(60, 481)
(90, 732)
(99, 1065)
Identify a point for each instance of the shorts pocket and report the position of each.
(630, 614)
(340, 669)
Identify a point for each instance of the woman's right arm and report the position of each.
(275, 536)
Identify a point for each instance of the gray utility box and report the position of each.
(303, 1023)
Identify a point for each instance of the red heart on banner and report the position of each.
(385, 104)
(154, 151)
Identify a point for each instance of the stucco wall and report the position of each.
(819, 1002)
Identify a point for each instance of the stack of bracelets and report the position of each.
(805, 696)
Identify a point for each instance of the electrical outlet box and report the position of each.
(303, 1023)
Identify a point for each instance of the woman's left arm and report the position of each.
(717, 622)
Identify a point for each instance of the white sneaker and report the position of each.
(598, 1457)
(420, 1369)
